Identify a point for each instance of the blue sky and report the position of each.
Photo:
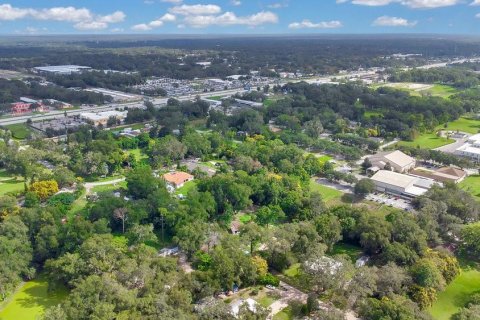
(239, 16)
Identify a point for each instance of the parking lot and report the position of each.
(390, 201)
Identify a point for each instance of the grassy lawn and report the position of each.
(329, 195)
(265, 301)
(285, 314)
(9, 183)
(427, 141)
(440, 90)
(138, 154)
(464, 124)
(245, 218)
(186, 187)
(456, 294)
(19, 131)
(293, 271)
(472, 185)
(31, 301)
(352, 251)
(110, 187)
(324, 159)
(215, 98)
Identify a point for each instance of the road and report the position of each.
(388, 144)
(90, 185)
(157, 102)
(163, 101)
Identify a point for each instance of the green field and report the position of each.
(464, 124)
(427, 141)
(456, 295)
(19, 131)
(415, 89)
(329, 195)
(354, 252)
(9, 183)
(31, 301)
(472, 185)
(441, 90)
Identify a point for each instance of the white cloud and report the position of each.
(278, 5)
(307, 24)
(230, 18)
(168, 17)
(82, 18)
(141, 27)
(91, 25)
(116, 17)
(70, 14)
(475, 3)
(7, 12)
(416, 4)
(172, 1)
(236, 3)
(196, 9)
(386, 21)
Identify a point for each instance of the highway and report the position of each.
(159, 102)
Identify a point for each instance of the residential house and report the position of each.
(177, 179)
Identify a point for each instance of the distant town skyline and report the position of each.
(239, 16)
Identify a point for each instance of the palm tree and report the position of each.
(121, 214)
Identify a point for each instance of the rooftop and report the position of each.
(393, 178)
(177, 177)
(395, 157)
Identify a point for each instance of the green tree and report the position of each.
(364, 187)
(141, 183)
(471, 238)
(269, 215)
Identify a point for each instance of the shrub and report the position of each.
(269, 279)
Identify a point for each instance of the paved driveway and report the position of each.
(287, 294)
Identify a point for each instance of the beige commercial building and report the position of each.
(399, 161)
(401, 185)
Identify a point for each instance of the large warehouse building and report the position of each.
(401, 185)
(61, 70)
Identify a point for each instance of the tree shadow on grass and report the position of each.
(38, 295)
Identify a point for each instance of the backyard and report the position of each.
(31, 300)
(186, 188)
